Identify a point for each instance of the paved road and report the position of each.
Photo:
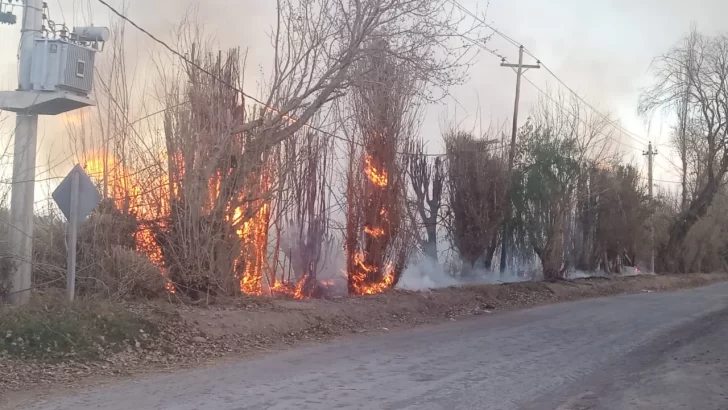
(647, 351)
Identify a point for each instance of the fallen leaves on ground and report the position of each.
(189, 336)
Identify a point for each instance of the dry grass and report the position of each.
(51, 330)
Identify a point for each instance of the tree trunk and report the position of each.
(430, 246)
(670, 255)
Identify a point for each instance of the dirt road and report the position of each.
(645, 351)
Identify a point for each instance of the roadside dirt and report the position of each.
(193, 336)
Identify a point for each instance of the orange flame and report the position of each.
(375, 232)
(286, 288)
(378, 177)
(254, 236)
(359, 278)
(129, 191)
(125, 189)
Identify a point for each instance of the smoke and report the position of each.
(297, 247)
(424, 274)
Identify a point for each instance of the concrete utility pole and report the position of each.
(60, 83)
(650, 161)
(520, 70)
(26, 135)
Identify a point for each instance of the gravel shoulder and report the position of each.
(193, 337)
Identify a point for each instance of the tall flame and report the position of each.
(363, 271)
(253, 234)
(125, 189)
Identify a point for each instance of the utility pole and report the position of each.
(26, 136)
(650, 161)
(60, 84)
(520, 69)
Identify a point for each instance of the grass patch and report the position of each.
(50, 329)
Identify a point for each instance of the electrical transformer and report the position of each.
(59, 65)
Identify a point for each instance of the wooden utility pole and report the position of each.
(650, 161)
(520, 69)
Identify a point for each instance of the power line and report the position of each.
(544, 93)
(631, 135)
(628, 133)
(330, 134)
(234, 88)
(665, 181)
(495, 30)
(574, 114)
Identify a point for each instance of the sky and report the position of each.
(600, 49)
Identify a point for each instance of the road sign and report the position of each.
(88, 195)
(77, 196)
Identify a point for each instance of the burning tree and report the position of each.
(302, 214)
(378, 242)
(218, 213)
(320, 47)
(208, 186)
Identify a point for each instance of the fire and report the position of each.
(287, 288)
(359, 277)
(375, 232)
(370, 273)
(131, 193)
(254, 235)
(376, 176)
(125, 189)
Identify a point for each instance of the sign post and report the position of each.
(76, 196)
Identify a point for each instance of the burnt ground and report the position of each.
(201, 337)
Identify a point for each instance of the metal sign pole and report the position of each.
(72, 237)
(77, 197)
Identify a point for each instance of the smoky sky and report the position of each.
(601, 49)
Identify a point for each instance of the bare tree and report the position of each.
(427, 178)
(681, 136)
(476, 185)
(303, 235)
(702, 63)
(317, 43)
(320, 47)
(385, 112)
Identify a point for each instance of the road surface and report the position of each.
(646, 351)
